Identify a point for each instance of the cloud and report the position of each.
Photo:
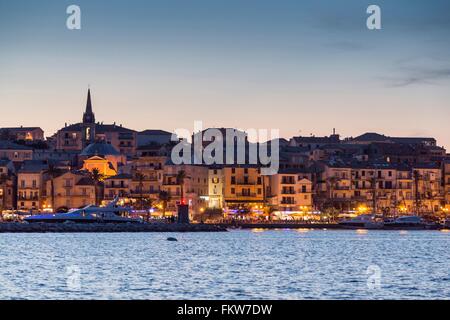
(420, 76)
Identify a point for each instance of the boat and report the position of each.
(363, 221)
(411, 223)
(111, 213)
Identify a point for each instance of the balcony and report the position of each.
(288, 202)
(246, 195)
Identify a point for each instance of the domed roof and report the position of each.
(99, 149)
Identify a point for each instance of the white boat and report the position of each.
(112, 213)
(363, 221)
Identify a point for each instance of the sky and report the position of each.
(303, 67)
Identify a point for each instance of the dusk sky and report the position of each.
(301, 66)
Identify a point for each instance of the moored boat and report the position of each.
(410, 223)
(112, 213)
(363, 221)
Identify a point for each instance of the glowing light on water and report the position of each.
(303, 230)
(403, 232)
(445, 230)
(257, 230)
(361, 231)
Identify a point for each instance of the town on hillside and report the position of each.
(318, 177)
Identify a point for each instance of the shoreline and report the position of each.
(16, 227)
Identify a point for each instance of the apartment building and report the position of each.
(31, 179)
(194, 187)
(290, 191)
(244, 188)
(71, 189)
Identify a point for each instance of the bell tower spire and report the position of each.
(88, 115)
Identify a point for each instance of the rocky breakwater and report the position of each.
(106, 227)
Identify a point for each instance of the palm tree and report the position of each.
(3, 179)
(181, 176)
(97, 177)
(164, 197)
(140, 177)
(52, 172)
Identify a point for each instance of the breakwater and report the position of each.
(106, 227)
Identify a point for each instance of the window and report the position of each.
(34, 183)
(233, 170)
(22, 183)
(304, 189)
(233, 191)
(233, 180)
(259, 180)
(259, 191)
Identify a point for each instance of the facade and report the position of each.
(216, 188)
(244, 189)
(447, 183)
(31, 189)
(195, 186)
(71, 189)
(102, 156)
(381, 187)
(7, 185)
(117, 186)
(15, 152)
(290, 192)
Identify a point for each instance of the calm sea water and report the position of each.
(278, 264)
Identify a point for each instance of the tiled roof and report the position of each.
(8, 145)
(155, 132)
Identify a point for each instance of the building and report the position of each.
(22, 133)
(428, 188)
(118, 186)
(291, 193)
(216, 187)
(194, 188)
(78, 136)
(244, 189)
(312, 142)
(372, 137)
(15, 152)
(31, 189)
(71, 189)
(149, 137)
(447, 183)
(7, 185)
(103, 157)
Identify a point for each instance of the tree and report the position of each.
(52, 172)
(140, 178)
(97, 177)
(3, 180)
(164, 197)
(181, 176)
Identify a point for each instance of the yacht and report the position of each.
(410, 222)
(363, 221)
(111, 213)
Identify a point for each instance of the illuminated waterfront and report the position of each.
(250, 264)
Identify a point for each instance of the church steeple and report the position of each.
(88, 115)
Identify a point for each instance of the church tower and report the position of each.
(88, 115)
(88, 125)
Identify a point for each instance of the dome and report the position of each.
(99, 149)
